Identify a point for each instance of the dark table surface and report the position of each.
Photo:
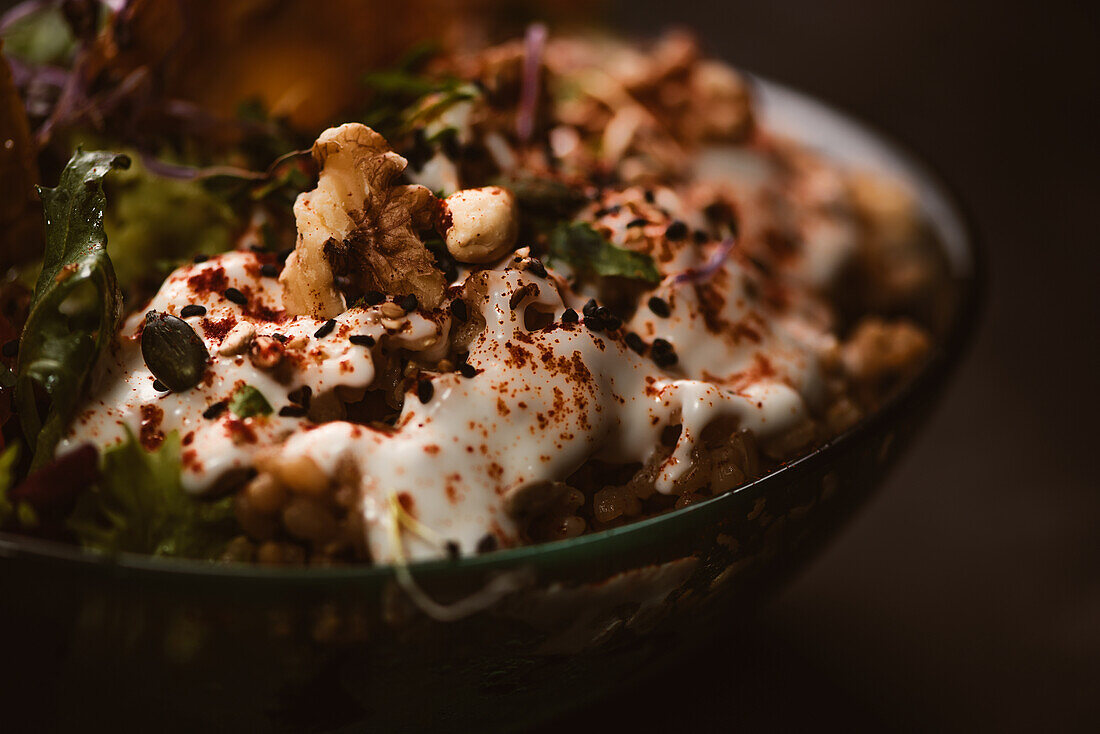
(967, 595)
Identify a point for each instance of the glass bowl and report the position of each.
(137, 642)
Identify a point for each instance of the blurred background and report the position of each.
(966, 595)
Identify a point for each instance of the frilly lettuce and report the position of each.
(155, 222)
(139, 506)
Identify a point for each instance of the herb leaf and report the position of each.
(139, 506)
(76, 303)
(396, 94)
(544, 197)
(584, 249)
(247, 402)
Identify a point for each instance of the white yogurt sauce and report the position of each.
(124, 396)
(542, 404)
(480, 448)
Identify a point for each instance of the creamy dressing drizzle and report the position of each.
(542, 403)
(215, 447)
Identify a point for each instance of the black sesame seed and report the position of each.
(487, 543)
(467, 370)
(281, 338)
(200, 258)
(408, 302)
(601, 213)
(570, 316)
(518, 296)
(452, 549)
(590, 308)
(362, 340)
(159, 386)
(700, 237)
(325, 329)
(269, 270)
(425, 390)
(215, 410)
(536, 268)
(192, 309)
(662, 353)
(676, 231)
(649, 196)
(610, 320)
(10, 348)
(659, 307)
(234, 295)
(635, 342)
(300, 396)
(459, 310)
(595, 323)
(615, 209)
(373, 298)
(292, 411)
(639, 222)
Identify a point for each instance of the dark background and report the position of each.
(966, 596)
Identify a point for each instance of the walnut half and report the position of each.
(358, 223)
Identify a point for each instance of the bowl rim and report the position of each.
(968, 272)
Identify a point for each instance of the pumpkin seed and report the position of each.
(172, 350)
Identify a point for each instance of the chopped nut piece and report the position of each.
(359, 223)
(297, 342)
(721, 106)
(391, 310)
(483, 224)
(880, 348)
(265, 352)
(238, 339)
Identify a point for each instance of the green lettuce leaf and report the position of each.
(587, 252)
(155, 223)
(139, 505)
(76, 304)
(41, 37)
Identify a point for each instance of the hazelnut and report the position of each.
(483, 224)
(265, 352)
(238, 339)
